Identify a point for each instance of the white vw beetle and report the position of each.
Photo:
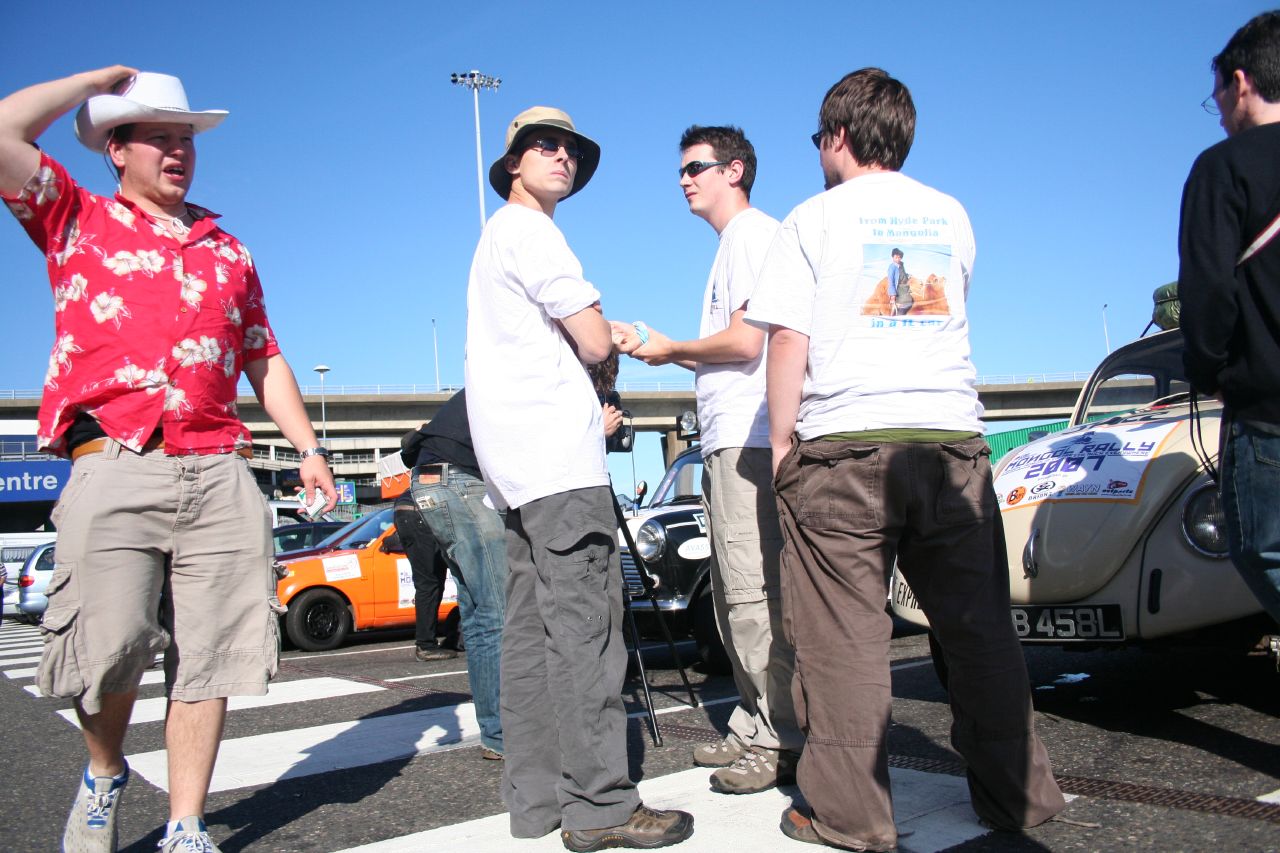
(1113, 526)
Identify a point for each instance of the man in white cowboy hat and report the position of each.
(164, 543)
(532, 322)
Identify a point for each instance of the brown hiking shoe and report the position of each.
(720, 754)
(758, 769)
(645, 830)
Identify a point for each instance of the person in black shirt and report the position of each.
(446, 488)
(1229, 284)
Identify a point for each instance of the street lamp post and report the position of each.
(475, 81)
(322, 369)
(435, 346)
(1106, 338)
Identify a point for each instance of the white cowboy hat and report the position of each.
(148, 97)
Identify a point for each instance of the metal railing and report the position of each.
(623, 386)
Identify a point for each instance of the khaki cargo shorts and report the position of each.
(158, 554)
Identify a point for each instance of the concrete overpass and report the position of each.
(365, 422)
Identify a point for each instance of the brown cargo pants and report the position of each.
(847, 509)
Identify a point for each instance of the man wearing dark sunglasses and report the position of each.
(533, 321)
(878, 448)
(717, 170)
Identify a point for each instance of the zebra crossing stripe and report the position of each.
(263, 759)
(281, 693)
(19, 661)
(25, 672)
(933, 808)
(7, 654)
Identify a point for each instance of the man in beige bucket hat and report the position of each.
(533, 321)
(164, 542)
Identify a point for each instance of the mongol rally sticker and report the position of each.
(1088, 462)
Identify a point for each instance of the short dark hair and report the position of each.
(1255, 50)
(896, 253)
(729, 143)
(120, 134)
(877, 114)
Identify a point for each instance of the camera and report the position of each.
(624, 438)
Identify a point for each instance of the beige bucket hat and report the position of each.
(527, 122)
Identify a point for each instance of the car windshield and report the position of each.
(360, 532)
(682, 483)
(1135, 376)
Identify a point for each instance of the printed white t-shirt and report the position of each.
(873, 365)
(731, 402)
(535, 421)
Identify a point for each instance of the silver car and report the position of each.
(33, 581)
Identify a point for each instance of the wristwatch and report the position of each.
(314, 451)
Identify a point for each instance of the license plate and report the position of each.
(1097, 623)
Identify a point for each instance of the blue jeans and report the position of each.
(472, 538)
(1250, 494)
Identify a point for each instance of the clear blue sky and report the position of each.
(347, 164)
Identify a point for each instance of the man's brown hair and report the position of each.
(877, 114)
(729, 143)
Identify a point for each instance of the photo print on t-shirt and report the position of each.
(904, 280)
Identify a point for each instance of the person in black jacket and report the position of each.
(1229, 284)
(448, 493)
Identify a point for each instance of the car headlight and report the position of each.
(1203, 524)
(651, 541)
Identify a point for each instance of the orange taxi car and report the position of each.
(366, 585)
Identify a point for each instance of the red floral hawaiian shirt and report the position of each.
(150, 330)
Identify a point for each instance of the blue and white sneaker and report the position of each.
(187, 836)
(92, 825)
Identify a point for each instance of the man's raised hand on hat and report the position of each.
(27, 113)
(110, 80)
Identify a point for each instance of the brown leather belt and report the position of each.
(156, 442)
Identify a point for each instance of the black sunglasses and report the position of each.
(817, 140)
(697, 167)
(549, 147)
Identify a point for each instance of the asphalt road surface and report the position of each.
(366, 749)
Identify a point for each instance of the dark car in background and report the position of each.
(674, 552)
(353, 534)
(307, 534)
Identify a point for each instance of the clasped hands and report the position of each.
(656, 351)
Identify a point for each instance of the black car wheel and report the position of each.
(318, 620)
(451, 630)
(707, 635)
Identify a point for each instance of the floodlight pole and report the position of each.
(322, 369)
(435, 346)
(475, 81)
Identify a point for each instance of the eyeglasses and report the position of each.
(1210, 106)
(697, 167)
(817, 140)
(549, 148)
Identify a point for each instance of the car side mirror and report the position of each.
(642, 489)
(392, 545)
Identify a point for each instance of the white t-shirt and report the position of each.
(873, 365)
(535, 421)
(731, 403)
